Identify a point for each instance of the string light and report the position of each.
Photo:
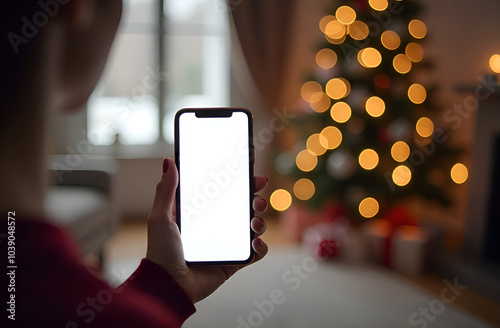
(422, 141)
(345, 14)
(375, 106)
(326, 58)
(340, 112)
(495, 63)
(401, 175)
(316, 144)
(309, 88)
(347, 85)
(336, 88)
(306, 160)
(417, 93)
(324, 21)
(320, 102)
(368, 207)
(358, 30)
(368, 159)
(304, 189)
(369, 57)
(414, 52)
(459, 173)
(401, 64)
(378, 5)
(335, 29)
(425, 127)
(417, 29)
(335, 41)
(400, 151)
(333, 136)
(280, 199)
(390, 40)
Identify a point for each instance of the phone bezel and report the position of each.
(218, 112)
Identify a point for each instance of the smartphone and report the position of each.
(214, 154)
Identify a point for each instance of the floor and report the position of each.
(128, 246)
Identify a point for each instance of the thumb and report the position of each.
(165, 191)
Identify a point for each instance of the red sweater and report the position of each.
(53, 288)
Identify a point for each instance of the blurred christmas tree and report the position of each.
(366, 137)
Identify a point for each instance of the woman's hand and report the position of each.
(165, 246)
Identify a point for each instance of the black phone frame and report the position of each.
(218, 112)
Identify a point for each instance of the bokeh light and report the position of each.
(280, 199)
(400, 151)
(335, 29)
(422, 141)
(417, 29)
(326, 58)
(390, 40)
(425, 127)
(369, 57)
(401, 175)
(335, 41)
(414, 52)
(341, 112)
(317, 144)
(382, 81)
(375, 106)
(337, 88)
(378, 5)
(368, 159)
(368, 207)
(324, 22)
(459, 173)
(495, 63)
(358, 30)
(333, 136)
(402, 64)
(304, 189)
(347, 85)
(306, 161)
(345, 14)
(320, 102)
(408, 232)
(309, 88)
(417, 93)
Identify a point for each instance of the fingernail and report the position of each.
(165, 165)
(265, 202)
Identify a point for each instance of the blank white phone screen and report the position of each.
(214, 180)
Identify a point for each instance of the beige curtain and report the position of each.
(263, 28)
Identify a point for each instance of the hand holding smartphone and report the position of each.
(214, 156)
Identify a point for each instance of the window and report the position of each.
(152, 72)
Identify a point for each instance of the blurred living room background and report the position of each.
(377, 123)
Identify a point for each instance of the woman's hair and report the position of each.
(21, 22)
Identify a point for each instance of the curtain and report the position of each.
(263, 28)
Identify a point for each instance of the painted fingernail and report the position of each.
(265, 202)
(165, 165)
